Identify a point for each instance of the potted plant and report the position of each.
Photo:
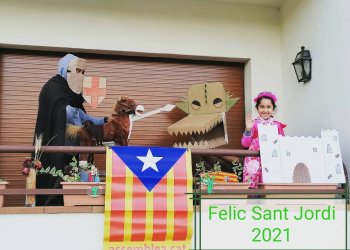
(3, 184)
(30, 168)
(297, 190)
(80, 176)
(213, 180)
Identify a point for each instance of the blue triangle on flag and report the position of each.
(149, 164)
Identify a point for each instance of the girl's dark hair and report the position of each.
(265, 97)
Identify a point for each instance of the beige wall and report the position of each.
(322, 26)
(181, 27)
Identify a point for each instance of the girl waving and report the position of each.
(265, 105)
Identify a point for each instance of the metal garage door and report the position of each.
(152, 82)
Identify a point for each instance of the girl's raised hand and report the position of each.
(248, 122)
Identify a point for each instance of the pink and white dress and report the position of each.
(252, 171)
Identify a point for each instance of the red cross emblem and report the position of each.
(94, 90)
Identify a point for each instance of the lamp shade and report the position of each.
(302, 65)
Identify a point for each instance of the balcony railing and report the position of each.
(102, 150)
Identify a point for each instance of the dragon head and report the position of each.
(205, 105)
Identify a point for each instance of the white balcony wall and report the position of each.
(322, 26)
(164, 27)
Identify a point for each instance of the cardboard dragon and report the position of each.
(206, 105)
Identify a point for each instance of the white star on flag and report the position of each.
(149, 161)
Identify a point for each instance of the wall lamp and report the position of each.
(302, 65)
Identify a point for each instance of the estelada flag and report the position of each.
(94, 90)
(147, 203)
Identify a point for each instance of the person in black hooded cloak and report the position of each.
(60, 102)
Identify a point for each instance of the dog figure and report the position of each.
(117, 129)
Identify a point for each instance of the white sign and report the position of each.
(272, 224)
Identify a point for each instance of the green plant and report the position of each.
(201, 169)
(71, 172)
(217, 167)
(237, 169)
(204, 176)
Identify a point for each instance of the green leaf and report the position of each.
(52, 171)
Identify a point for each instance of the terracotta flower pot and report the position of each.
(222, 190)
(297, 187)
(93, 196)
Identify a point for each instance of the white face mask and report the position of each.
(75, 75)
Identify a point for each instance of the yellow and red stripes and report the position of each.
(162, 216)
(224, 177)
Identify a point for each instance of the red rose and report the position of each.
(25, 170)
(37, 164)
(27, 163)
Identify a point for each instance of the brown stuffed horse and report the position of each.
(117, 129)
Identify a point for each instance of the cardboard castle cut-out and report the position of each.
(287, 159)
